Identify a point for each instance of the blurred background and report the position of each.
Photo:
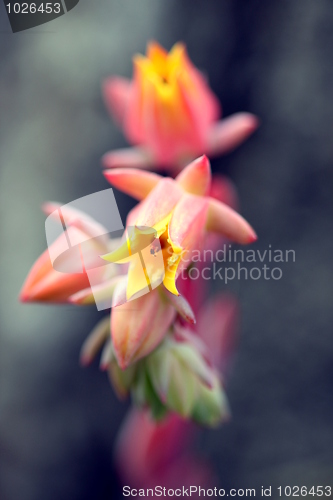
(58, 422)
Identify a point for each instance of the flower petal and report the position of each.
(217, 326)
(158, 56)
(102, 292)
(181, 305)
(128, 158)
(116, 93)
(186, 231)
(224, 220)
(188, 221)
(196, 177)
(94, 341)
(136, 183)
(73, 217)
(45, 284)
(229, 133)
(224, 190)
(137, 327)
(141, 455)
(159, 204)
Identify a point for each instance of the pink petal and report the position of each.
(140, 455)
(181, 305)
(159, 203)
(137, 327)
(224, 190)
(186, 233)
(136, 183)
(225, 221)
(128, 158)
(196, 177)
(217, 326)
(184, 472)
(187, 224)
(229, 133)
(116, 93)
(195, 290)
(134, 123)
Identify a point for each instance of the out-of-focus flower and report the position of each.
(170, 113)
(180, 212)
(150, 453)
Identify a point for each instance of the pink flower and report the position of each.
(150, 453)
(169, 112)
(181, 213)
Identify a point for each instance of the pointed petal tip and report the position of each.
(254, 122)
(253, 237)
(123, 363)
(204, 159)
(250, 122)
(203, 162)
(24, 297)
(196, 177)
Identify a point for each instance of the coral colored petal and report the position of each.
(136, 183)
(225, 221)
(44, 284)
(229, 133)
(128, 158)
(116, 93)
(196, 177)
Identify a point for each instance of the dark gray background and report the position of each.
(274, 58)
